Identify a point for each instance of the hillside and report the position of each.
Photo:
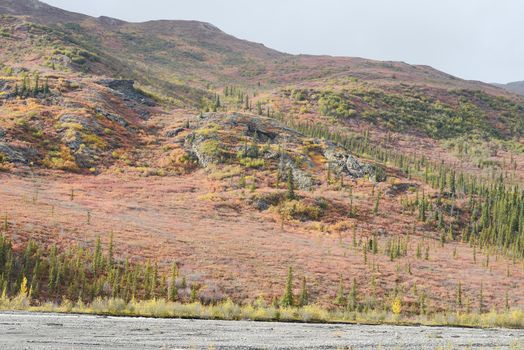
(166, 54)
(516, 87)
(167, 156)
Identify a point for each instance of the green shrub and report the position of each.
(299, 210)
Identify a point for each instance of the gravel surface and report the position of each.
(51, 331)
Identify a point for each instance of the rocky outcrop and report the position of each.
(88, 124)
(206, 151)
(71, 136)
(301, 178)
(343, 162)
(113, 117)
(128, 91)
(85, 157)
(10, 154)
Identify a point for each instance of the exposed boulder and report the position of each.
(117, 119)
(343, 162)
(11, 154)
(72, 139)
(302, 179)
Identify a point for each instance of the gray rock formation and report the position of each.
(128, 91)
(343, 162)
(205, 150)
(113, 117)
(302, 179)
(85, 157)
(11, 154)
(88, 124)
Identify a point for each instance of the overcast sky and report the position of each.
(472, 39)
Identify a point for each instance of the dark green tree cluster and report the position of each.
(288, 299)
(81, 274)
(396, 247)
(239, 96)
(31, 87)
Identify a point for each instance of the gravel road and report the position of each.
(51, 331)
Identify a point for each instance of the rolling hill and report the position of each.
(516, 87)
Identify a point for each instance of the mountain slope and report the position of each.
(516, 87)
(237, 162)
(197, 54)
(38, 11)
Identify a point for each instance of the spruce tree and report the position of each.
(287, 298)
(377, 202)
(46, 86)
(353, 297)
(351, 212)
(340, 298)
(290, 185)
(173, 290)
(481, 298)
(110, 258)
(304, 297)
(193, 296)
(459, 295)
(97, 256)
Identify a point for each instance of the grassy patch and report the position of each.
(259, 311)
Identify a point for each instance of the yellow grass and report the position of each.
(228, 310)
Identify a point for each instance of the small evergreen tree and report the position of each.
(459, 295)
(193, 296)
(377, 203)
(97, 256)
(481, 298)
(340, 298)
(290, 185)
(110, 254)
(353, 297)
(304, 297)
(287, 298)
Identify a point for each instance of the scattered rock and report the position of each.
(261, 133)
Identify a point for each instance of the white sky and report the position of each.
(472, 39)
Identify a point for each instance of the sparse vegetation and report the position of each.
(393, 186)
